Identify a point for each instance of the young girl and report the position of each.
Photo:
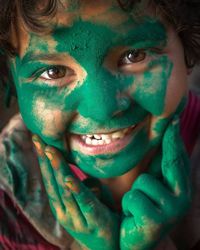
(102, 88)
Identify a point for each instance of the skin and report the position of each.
(96, 95)
(77, 209)
(149, 206)
(54, 109)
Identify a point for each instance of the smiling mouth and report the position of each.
(105, 139)
(104, 143)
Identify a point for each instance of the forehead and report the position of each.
(94, 11)
(104, 13)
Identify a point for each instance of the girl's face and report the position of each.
(102, 86)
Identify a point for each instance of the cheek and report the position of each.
(177, 89)
(149, 89)
(51, 121)
(42, 117)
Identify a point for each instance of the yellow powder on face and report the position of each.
(52, 120)
(101, 163)
(83, 122)
(101, 11)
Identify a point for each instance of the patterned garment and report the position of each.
(26, 221)
(16, 232)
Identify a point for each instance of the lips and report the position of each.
(104, 143)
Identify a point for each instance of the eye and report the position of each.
(55, 75)
(55, 72)
(131, 56)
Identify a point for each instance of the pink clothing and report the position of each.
(190, 122)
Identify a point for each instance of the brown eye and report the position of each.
(55, 72)
(55, 75)
(131, 56)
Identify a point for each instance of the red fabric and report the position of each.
(16, 233)
(78, 173)
(190, 122)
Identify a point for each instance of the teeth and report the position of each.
(90, 136)
(95, 142)
(88, 141)
(118, 135)
(105, 137)
(101, 139)
(101, 142)
(97, 137)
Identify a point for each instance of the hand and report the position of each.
(76, 208)
(153, 206)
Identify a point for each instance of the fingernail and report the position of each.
(72, 184)
(38, 146)
(51, 155)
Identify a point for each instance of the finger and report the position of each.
(139, 237)
(137, 204)
(61, 171)
(89, 205)
(155, 191)
(47, 174)
(174, 162)
(59, 167)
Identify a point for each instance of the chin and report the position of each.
(108, 166)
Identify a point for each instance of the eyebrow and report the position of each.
(148, 31)
(40, 57)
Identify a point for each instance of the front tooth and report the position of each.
(88, 141)
(90, 136)
(118, 135)
(97, 137)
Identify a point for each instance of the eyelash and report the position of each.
(125, 58)
(67, 75)
(143, 56)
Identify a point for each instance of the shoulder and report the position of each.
(16, 154)
(21, 179)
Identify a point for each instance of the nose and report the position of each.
(102, 99)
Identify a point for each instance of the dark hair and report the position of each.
(183, 14)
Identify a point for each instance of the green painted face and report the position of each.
(101, 88)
